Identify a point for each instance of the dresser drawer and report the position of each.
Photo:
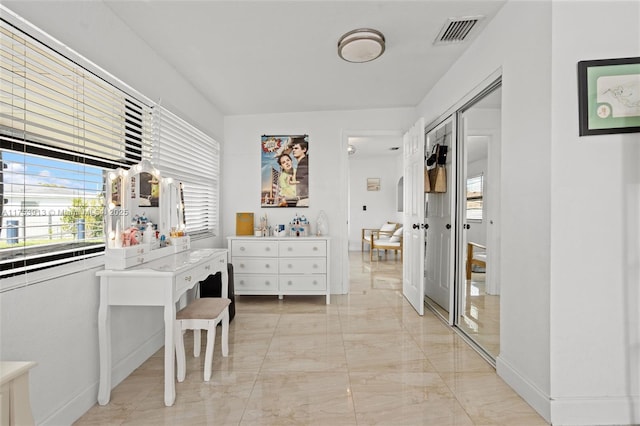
(188, 279)
(296, 248)
(254, 248)
(303, 283)
(255, 283)
(299, 265)
(255, 265)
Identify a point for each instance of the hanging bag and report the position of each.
(427, 181)
(438, 178)
(438, 174)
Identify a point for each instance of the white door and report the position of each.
(440, 224)
(413, 217)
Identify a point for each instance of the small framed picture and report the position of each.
(609, 96)
(373, 184)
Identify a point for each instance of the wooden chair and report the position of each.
(385, 231)
(385, 244)
(477, 258)
(202, 314)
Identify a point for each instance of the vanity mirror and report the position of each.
(115, 210)
(142, 194)
(172, 218)
(145, 217)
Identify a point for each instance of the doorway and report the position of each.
(370, 155)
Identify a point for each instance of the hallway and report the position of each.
(365, 359)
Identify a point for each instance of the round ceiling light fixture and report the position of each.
(361, 45)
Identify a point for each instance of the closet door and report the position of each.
(440, 223)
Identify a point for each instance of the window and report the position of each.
(61, 128)
(474, 197)
(184, 153)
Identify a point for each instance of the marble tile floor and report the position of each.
(481, 315)
(365, 359)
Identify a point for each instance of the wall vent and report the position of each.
(456, 30)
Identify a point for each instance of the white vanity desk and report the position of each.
(159, 282)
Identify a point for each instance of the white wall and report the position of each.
(53, 321)
(381, 205)
(517, 41)
(328, 168)
(570, 339)
(595, 230)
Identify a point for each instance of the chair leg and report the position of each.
(208, 355)
(196, 342)
(180, 355)
(225, 333)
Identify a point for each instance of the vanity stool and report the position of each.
(204, 313)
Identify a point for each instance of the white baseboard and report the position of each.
(571, 411)
(596, 411)
(81, 403)
(527, 390)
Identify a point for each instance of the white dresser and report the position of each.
(280, 266)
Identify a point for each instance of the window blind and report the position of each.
(61, 127)
(48, 101)
(188, 155)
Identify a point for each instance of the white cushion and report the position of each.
(396, 236)
(386, 243)
(480, 256)
(388, 227)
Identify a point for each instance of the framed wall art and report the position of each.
(609, 96)
(373, 184)
(285, 171)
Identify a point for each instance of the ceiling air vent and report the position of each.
(456, 30)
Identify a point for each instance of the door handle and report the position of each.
(467, 226)
(416, 226)
(425, 226)
(448, 226)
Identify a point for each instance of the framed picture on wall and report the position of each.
(609, 96)
(373, 184)
(285, 171)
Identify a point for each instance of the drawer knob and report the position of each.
(242, 248)
(268, 248)
(267, 266)
(290, 283)
(141, 260)
(315, 248)
(315, 266)
(290, 248)
(207, 268)
(188, 279)
(267, 283)
(315, 282)
(290, 266)
(241, 282)
(242, 265)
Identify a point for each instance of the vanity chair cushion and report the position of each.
(202, 314)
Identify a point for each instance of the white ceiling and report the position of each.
(258, 57)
